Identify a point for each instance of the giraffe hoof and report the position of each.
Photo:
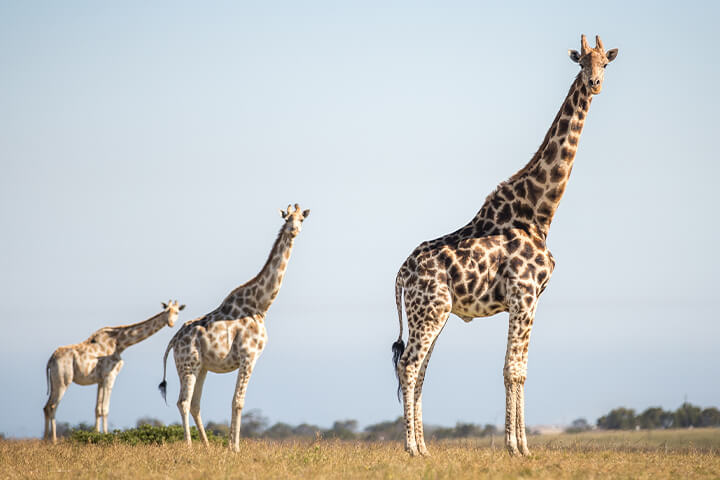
(513, 451)
(524, 451)
(413, 451)
(424, 452)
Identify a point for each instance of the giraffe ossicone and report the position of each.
(97, 361)
(232, 336)
(498, 262)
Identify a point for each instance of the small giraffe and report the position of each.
(496, 263)
(232, 336)
(97, 360)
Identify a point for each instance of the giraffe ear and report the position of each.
(282, 212)
(164, 305)
(574, 56)
(306, 214)
(181, 307)
(611, 54)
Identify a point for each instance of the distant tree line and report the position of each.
(255, 425)
(686, 416)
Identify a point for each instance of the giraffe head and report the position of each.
(293, 219)
(593, 61)
(172, 309)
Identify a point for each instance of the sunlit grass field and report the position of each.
(655, 454)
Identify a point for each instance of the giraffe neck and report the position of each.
(529, 199)
(269, 280)
(131, 334)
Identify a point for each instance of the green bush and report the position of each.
(142, 435)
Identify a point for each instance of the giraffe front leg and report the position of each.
(238, 402)
(515, 371)
(108, 386)
(521, 432)
(195, 406)
(510, 417)
(187, 386)
(98, 406)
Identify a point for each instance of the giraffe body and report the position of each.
(97, 360)
(498, 262)
(231, 337)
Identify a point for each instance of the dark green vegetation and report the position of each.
(151, 431)
(687, 415)
(142, 435)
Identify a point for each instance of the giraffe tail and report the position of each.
(47, 376)
(163, 385)
(399, 346)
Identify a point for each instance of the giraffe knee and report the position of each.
(194, 410)
(514, 376)
(183, 406)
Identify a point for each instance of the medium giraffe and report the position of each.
(232, 336)
(97, 360)
(496, 263)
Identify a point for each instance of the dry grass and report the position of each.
(673, 454)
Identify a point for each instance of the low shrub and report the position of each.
(142, 435)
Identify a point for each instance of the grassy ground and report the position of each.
(656, 455)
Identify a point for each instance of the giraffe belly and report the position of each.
(86, 377)
(228, 360)
(477, 309)
(85, 370)
(482, 303)
(226, 365)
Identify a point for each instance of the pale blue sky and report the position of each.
(145, 150)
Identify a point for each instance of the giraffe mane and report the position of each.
(520, 174)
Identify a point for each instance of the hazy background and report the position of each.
(145, 150)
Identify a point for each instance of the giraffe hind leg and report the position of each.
(57, 390)
(195, 406)
(419, 430)
(187, 387)
(515, 370)
(423, 329)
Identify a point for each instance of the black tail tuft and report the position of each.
(163, 390)
(397, 349)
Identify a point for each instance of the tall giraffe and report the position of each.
(97, 360)
(232, 336)
(496, 263)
